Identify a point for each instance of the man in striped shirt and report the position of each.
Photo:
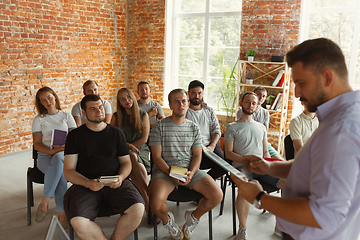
(176, 141)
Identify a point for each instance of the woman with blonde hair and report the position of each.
(136, 126)
(50, 157)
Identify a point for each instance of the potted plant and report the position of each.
(269, 99)
(249, 78)
(251, 54)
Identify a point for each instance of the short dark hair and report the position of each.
(177, 90)
(259, 88)
(194, 84)
(247, 93)
(319, 54)
(89, 98)
(141, 83)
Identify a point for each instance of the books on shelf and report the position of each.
(58, 137)
(282, 80)
(178, 173)
(276, 102)
(277, 78)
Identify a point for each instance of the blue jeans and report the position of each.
(55, 184)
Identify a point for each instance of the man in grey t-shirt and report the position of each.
(246, 137)
(90, 87)
(176, 141)
(152, 108)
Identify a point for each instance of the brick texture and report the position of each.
(146, 45)
(61, 44)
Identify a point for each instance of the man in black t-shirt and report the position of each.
(93, 150)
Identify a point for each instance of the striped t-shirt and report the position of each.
(177, 141)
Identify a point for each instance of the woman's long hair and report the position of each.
(39, 107)
(135, 118)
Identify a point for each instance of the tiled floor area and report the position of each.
(13, 223)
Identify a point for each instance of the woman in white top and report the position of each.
(50, 158)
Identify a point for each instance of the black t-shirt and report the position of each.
(98, 152)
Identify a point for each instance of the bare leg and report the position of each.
(140, 179)
(242, 208)
(159, 191)
(87, 229)
(128, 222)
(212, 196)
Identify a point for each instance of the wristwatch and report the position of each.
(257, 202)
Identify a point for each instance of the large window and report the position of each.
(202, 42)
(338, 20)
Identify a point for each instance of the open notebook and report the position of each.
(56, 231)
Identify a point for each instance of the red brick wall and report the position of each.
(146, 45)
(62, 44)
(59, 44)
(271, 27)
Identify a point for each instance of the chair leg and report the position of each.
(210, 225)
(71, 232)
(223, 187)
(136, 234)
(233, 207)
(154, 217)
(30, 198)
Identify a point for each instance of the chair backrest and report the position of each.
(289, 148)
(34, 156)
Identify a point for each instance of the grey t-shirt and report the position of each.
(247, 138)
(176, 140)
(201, 119)
(261, 115)
(76, 110)
(149, 106)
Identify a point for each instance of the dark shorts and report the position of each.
(80, 201)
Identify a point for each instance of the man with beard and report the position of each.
(152, 108)
(262, 115)
(244, 137)
(176, 141)
(93, 150)
(90, 87)
(205, 117)
(321, 198)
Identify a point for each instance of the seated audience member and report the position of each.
(247, 137)
(262, 116)
(152, 108)
(302, 127)
(93, 150)
(90, 87)
(135, 124)
(205, 117)
(177, 141)
(50, 158)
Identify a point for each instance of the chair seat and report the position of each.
(183, 194)
(36, 175)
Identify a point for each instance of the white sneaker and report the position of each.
(241, 235)
(173, 228)
(190, 224)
